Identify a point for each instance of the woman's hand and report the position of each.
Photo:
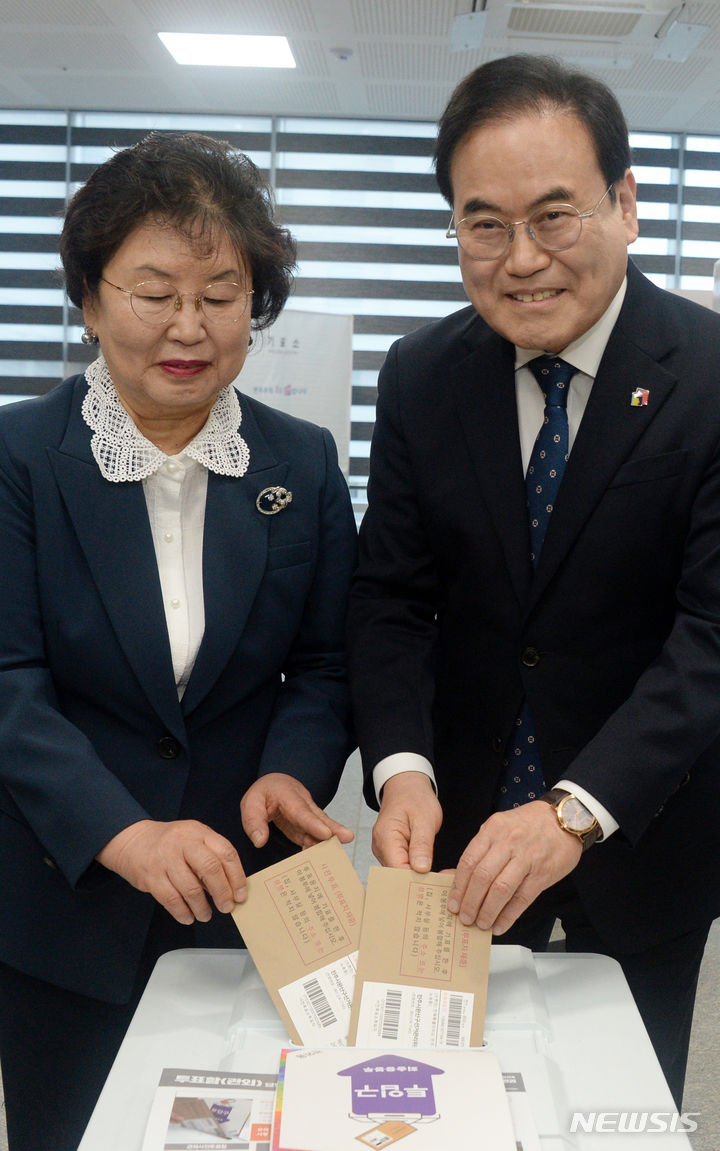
(178, 863)
(284, 801)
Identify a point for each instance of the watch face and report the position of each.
(575, 814)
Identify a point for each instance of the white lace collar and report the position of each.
(123, 453)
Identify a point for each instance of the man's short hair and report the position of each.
(514, 85)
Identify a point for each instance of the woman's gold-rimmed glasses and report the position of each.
(156, 302)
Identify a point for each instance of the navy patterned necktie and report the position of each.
(550, 453)
(522, 778)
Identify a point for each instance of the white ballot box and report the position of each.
(575, 1055)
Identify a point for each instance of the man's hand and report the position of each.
(410, 818)
(177, 863)
(282, 800)
(514, 856)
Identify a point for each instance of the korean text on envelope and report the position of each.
(301, 924)
(422, 974)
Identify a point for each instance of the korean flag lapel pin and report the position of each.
(639, 398)
(273, 500)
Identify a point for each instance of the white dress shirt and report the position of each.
(585, 354)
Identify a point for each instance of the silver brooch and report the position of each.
(273, 500)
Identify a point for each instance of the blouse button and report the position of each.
(174, 603)
(168, 537)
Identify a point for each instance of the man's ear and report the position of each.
(626, 193)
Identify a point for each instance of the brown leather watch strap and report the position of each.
(556, 797)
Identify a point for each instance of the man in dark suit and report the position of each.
(530, 680)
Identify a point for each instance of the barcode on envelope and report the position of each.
(391, 1015)
(453, 1036)
(319, 1003)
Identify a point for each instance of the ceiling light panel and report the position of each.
(215, 50)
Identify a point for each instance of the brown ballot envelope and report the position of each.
(422, 975)
(301, 924)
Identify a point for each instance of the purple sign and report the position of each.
(392, 1084)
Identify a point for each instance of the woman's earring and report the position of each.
(89, 336)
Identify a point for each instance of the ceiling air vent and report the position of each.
(557, 22)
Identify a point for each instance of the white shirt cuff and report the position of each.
(395, 764)
(607, 824)
(410, 761)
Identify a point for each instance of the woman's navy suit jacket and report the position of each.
(92, 735)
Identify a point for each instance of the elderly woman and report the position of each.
(173, 574)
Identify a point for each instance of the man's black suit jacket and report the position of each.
(615, 639)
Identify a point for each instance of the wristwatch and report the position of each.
(573, 816)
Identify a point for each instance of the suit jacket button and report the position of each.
(497, 744)
(530, 657)
(168, 747)
(50, 862)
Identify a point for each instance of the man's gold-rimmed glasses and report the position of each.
(555, 227)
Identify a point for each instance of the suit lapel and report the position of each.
(235, 544)
(112, 527)
(610, 427)
(484, 389)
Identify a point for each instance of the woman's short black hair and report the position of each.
(514, 85)
(196, 183)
